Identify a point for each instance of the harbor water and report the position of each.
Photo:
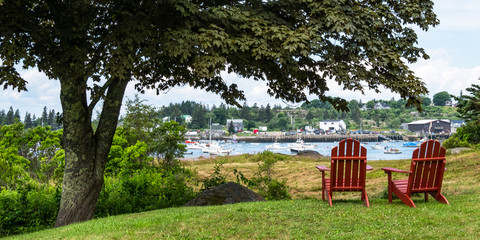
(375, 150)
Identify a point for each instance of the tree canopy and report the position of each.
(469, 105)
(441, 98)
(294, 45)
(96, 47)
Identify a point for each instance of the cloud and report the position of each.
(439, 74)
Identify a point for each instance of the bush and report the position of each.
(30, 208)
(144, 190)
(454, 142)
(263, 181)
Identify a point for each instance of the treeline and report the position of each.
(48, 118)
(391, 115)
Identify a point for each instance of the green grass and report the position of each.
(305, 217)
(294, 219)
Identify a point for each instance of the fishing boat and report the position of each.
(392, 151)
(275, 146)
(377, 147)
(301, 144)
(215, 149)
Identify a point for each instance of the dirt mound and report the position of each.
(227, 193)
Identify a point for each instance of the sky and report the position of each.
(454, 65)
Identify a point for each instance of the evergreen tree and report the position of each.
(10, 117)
(51, 119)
(245, 112)
(44, 118)
(231, 128)
(35, 120)
(16, 116)
(3, 116)
(199, 119)
(28, 120)
(268, 113)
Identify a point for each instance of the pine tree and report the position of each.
(34, 121)
(28, 120)
(16, 116)
(3, 116)
(44, 118)
(231, 128)
(51, 119)
(10, 117)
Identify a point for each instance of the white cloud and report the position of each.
(439, 74)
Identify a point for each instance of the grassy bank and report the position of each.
(304, 217)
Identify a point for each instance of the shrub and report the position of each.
(454, 142)
(29, 208)
(145, 189)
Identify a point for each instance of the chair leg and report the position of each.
(365, 198)
(389, 192)
(404, 198)
(426, 197)
(323, 190)
(439, 197)
(329, 199)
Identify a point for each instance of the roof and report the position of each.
(331, 120)
(428, 121)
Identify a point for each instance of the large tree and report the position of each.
(441, 98)
(96, 47)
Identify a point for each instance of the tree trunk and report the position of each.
(86, 152)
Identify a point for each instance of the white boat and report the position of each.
(377, 147)
(392, 151)
(275, 146)
(215, 149)
(301, 144)
(196, 145)
(300, 149)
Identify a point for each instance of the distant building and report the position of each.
(381, 105)
(262, 128)
(237, 124)
(430, 126)
(329, 125)
(187, 118)
(457, 124)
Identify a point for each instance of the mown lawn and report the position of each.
(304, 217)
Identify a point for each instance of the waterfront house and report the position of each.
(335, 125)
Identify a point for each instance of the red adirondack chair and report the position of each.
(425, 175)
(348, 169)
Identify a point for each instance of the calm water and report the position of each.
(323, 148)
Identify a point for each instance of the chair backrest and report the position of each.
(428, 165)
(348, 166)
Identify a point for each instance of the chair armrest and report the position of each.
(369, 168)
(389, 170)
(323, 168)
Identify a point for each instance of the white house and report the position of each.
(457, 124)
(237, 124)
(329, 125)
(381, 105)
(187, 118)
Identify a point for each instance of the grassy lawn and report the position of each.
(304, 217)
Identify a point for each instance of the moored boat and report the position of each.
(275, 146)
(392, 151)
